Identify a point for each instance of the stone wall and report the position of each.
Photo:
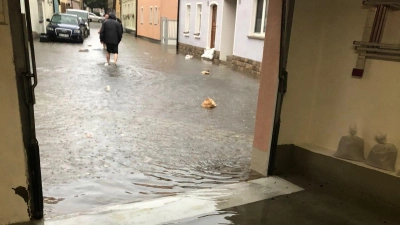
(195, 51)
(247, 66)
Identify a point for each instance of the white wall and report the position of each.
(36, 26)
(228, 28)
(323, 99)
(205, 33)
(129, 7)
(47, 13)
(12, 154)
(245, 46)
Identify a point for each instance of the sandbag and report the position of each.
(351, 147)
(383, 155)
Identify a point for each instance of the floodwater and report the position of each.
(115, 135)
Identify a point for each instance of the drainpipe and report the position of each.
(137, 27)
(177, 27)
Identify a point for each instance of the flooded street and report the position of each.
(115, 135)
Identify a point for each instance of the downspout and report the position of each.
(137, 27)
(286, 27)
(177, 27)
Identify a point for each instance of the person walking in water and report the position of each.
(111, 34)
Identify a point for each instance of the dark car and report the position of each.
(66, 27)
(85, 17)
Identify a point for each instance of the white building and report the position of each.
(128, 15)
(41, 10)
(235, 28)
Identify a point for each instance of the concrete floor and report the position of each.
(320, 203)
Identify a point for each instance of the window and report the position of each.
(155, 15)
(151, 14)
(261, 17)
(141, 15)
(198, 20)
(187, 19)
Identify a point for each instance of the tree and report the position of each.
(96, 4)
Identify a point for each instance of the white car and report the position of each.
(94, 18)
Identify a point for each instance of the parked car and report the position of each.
(95, 18)
(66, 27)
(82, 14)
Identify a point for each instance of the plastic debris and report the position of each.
(208, 53)
(188, 57)
(383, 155)
(351, 147)
(208, 103)
(108, 88)
(205, 72)
(83, 50)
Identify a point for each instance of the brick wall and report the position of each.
(247, 66)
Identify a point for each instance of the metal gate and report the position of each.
(169, 31)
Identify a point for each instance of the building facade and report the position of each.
(151, 17)
(40, 11)
(129, 15)
(227, 26)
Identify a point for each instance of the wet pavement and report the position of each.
(111, 136)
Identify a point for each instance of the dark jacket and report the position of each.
(111, 31)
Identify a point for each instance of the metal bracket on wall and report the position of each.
(370, 46)
(378, 50)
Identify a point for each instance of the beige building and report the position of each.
(342, 68)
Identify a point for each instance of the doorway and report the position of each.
(213, 25)
(228, 29)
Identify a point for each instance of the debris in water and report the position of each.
(206, 72)
(188, 57)
(208, 103)
(146, 53)
(83, 50)
(52, 200)
(108, 88)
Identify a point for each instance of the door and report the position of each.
(213, 25)
(286, 26)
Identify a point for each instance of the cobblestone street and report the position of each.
(119, 135)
